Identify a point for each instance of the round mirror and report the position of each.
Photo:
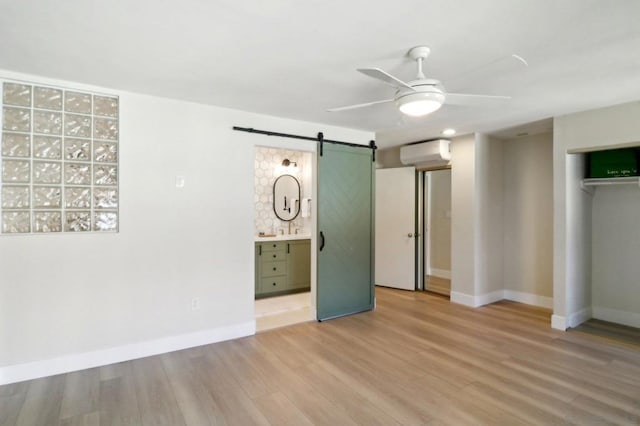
(286, 197)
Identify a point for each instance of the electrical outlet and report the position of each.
(195, 304)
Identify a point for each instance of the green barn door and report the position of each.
(345, 231)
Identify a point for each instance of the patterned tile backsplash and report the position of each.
(59, 160)
(268, 167)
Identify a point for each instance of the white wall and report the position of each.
(528, 217)
(72, 301)
(488, 220)
(616, 243)
(463, 246)
(578, 232)
(476, 225)
(476, 185)
(495, 197)
(388, 158)
(604, 128)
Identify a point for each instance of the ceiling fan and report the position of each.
(421, 96)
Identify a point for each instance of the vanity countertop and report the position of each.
(284, 237)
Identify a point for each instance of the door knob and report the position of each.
(410, 235)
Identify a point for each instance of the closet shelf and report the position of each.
(611, 181)
(589, 184)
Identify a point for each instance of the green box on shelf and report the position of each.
(613, 163)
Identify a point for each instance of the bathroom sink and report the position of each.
(284, 237)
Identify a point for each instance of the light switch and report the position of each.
(179, 181)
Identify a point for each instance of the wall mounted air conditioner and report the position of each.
(434, 153)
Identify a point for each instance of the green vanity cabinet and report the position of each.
(282, 267)
(299, 264)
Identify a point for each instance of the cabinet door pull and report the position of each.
(321, 240)
(287, 248)
(260, 250)
(274, 268)
(274, 283)
(274, 255)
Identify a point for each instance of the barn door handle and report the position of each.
(321, 240)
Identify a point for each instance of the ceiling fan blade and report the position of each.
(378, 74)
(468, 99)
(366, 104)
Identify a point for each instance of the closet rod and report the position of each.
(611, 181)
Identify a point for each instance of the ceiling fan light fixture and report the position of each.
(423, 95)
(420, 103)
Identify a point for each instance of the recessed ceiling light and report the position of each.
(449, 132)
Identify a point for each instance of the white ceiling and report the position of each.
(295, 59)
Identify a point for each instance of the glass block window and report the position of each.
(59, 160)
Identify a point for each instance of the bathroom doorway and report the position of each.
(284, 226)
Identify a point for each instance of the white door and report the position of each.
(395, 227)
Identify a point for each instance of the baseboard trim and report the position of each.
(476, 301)
(529, 298)
(488, 298)
(632, 319)
(578, 318)
(81, 361)
(462, 299)
(558, 322)
(494, 296)
(440, 273)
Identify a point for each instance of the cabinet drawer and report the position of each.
(273, 284)
(273, 256)
(271, 269)
(274, 246)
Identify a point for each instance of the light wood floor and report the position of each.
(438, 285)
(610, 330)
(417, 360)
(280, 311)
